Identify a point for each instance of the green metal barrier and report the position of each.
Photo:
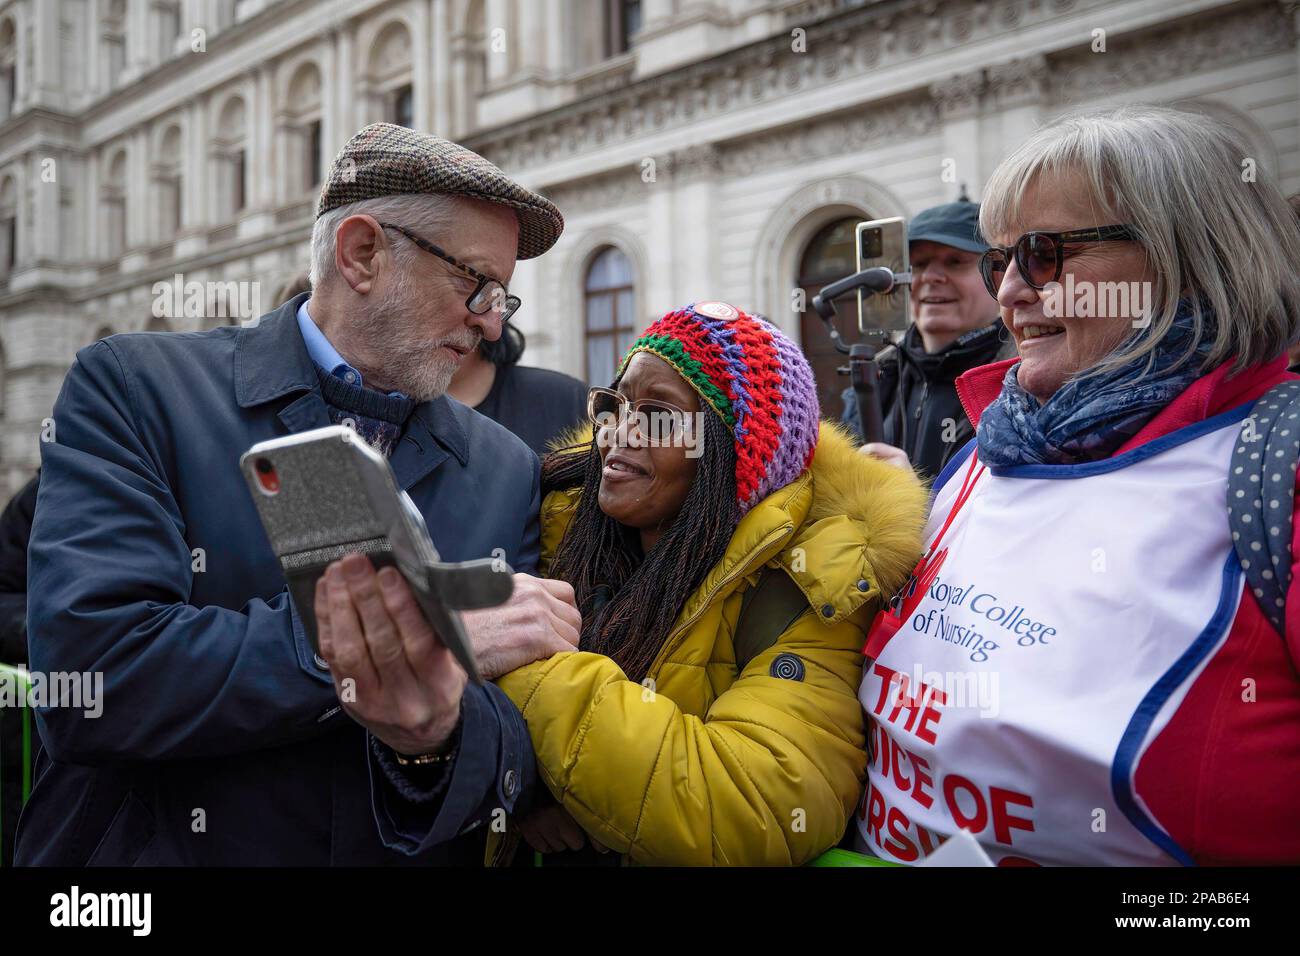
(839, 857)
(832, 857)
(19, 677)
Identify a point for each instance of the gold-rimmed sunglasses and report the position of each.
(658, 422)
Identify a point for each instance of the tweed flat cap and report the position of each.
(388, 160)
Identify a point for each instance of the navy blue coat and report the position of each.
(221, 740)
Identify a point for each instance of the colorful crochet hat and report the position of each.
(754, 377)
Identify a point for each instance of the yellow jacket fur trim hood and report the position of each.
(703, 764)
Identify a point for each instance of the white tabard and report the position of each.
(1074, 607)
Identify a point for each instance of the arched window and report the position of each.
(303, 128)
(8, 69)
(622, 21)
(167, 16)
(8, 226)
(611, 327)
(388, 76)
(231, 159)
(831, 254)
(469, 50)
(113, 38)
(167, 186)
(113, 205)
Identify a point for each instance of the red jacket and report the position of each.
(1223, 777)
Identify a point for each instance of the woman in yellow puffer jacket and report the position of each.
(728, 554)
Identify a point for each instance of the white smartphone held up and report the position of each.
(883, 242)
(326, 493)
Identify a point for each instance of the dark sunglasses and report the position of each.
(489, 294)
(1040, 256)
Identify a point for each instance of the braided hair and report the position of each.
(629, 600)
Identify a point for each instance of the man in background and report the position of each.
(955, 327)
(536, 404)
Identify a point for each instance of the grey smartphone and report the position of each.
(883, 242)
(326, 493)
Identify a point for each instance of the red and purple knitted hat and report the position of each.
(755, 378)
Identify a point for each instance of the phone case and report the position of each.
(325, 493)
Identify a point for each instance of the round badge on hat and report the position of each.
(717, 310)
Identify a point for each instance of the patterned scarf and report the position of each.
(1089, 419)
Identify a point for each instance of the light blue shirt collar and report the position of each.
(320, 350)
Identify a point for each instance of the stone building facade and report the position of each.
(698, 148)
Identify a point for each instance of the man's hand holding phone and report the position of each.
(406, 684)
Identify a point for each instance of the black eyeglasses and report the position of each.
(489, 294)
(1040, 256)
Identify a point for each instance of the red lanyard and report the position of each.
(967, 488)
(891, 617)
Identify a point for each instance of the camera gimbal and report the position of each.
(862, 368)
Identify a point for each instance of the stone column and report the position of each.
(137, 34)
(422, 64)
(958, 100)
(45, 241)
(529, 35)
(497, 17)
(1017, 91)
(139, 191)
(661, 282)
(93, 233)
(194, 14)
(343, 85)
(196, 187)
(94, 30)
(264, 170)
(559, 30)
(45, 85)
(693, 174)
(464, 107)
(23, 214)
(443, 78)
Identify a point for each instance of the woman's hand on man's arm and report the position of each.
(540, 619)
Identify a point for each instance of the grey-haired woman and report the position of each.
(1082, 670)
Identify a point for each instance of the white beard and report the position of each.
(409, 363)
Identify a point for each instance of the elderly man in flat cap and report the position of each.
(221, 738)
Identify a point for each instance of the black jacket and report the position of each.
(536, 404)
(15, 529)
(212, 697)
(918, 400)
